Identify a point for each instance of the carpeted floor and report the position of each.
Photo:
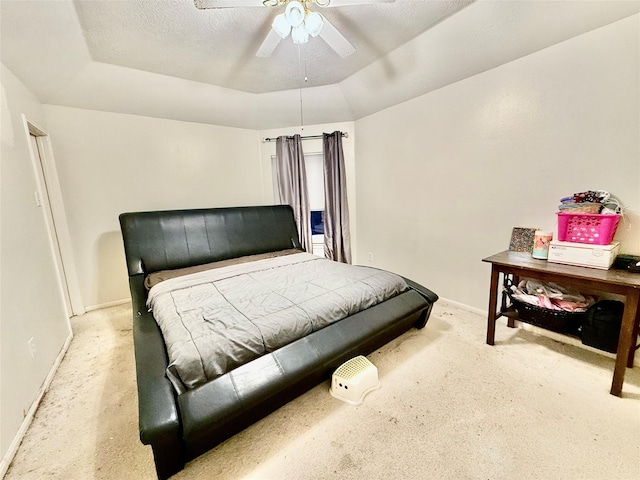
(450, 407)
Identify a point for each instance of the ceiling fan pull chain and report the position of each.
(305, 79)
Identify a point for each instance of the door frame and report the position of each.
(49, 194)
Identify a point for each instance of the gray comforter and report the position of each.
(217, 320)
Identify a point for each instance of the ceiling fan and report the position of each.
(297, 20)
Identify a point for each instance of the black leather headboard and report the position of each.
(164, 240)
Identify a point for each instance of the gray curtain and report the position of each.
(337, 239)
(292, 184)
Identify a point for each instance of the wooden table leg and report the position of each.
(511, 322)
(634, 340)
(625, 341)
(493, 299)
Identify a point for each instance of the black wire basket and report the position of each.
(556, 320)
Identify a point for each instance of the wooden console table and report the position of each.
(619, 282)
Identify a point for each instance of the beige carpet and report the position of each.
(450, 407)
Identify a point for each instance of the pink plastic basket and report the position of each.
(587, 228)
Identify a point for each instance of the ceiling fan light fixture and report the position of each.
(299, 35)
(281, 26)
(313, 23)
(294, 13)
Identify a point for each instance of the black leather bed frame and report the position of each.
(181, 427)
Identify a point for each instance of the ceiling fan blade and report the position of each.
(346, 3)
(336, 40)
(204, 4)
(269, 44)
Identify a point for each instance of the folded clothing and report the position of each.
(591, 196)
(592, 202)
(586, 207)
(550, 295)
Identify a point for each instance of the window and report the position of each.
(317, 222)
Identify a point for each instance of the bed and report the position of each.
(246, 321)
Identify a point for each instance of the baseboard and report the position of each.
(13, 448)
(108, 304)
(541, 331)
(463, 306)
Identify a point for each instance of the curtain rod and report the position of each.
(308, 137)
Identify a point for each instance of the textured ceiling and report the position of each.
(167, 59)
(218, 46)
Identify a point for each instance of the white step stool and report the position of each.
(353, 380)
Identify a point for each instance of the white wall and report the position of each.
(442, 179)
(31, 301)
(111, 163)
(268, 150)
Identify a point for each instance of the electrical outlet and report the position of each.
(32, 348)
(370, 256)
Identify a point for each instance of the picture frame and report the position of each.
(522, 239)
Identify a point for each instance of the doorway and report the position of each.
(48, 196)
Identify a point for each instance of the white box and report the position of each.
(584, 255)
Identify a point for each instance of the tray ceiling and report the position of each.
(168, 59)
